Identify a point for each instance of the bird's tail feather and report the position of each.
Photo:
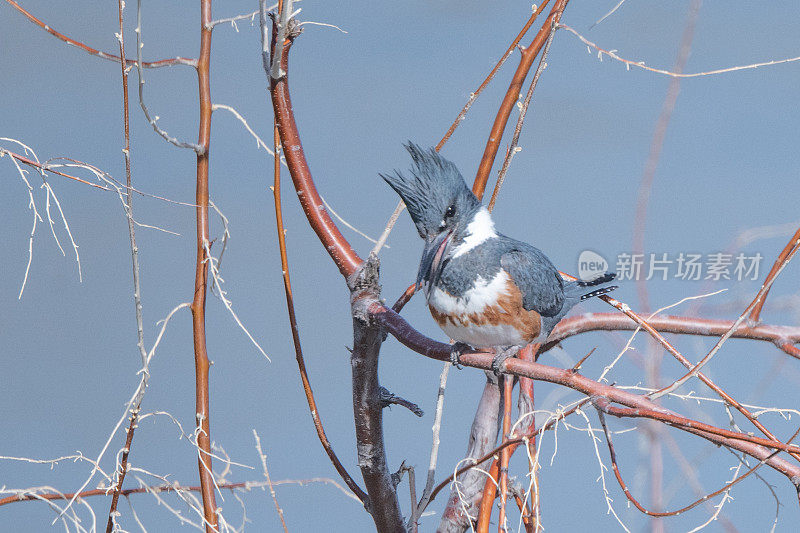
(575, 292)
(599, 280)
(582, 290)
(598, 292)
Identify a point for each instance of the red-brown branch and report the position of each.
(505, 453)
(794, 242)
(201, 275)
(30, 162)
(491, 75)
(93, 51)
(705, 498)
(526, 407)
(577, 324)
(155, 489)
(489, 494)
(512, 95)
(343, 255)
(756, 447)
(298, 350)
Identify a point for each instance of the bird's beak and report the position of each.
(432, 254)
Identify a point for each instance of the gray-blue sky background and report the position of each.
(403, 71)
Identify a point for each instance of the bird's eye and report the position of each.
(450, 211)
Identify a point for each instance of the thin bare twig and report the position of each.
(474, 96)
(269, 480)
(640, 64)
(95, 52)
(608, 14)
(287, 287)
(791, 246)
(198, 148)
(35, 495)
(695, 369)
(513, 148)
(418, 507)
(137, 293)
(512, 95)
(232, 20)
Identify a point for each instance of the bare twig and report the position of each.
(28, 495)
(611, 12)
(287, 286)
(640, 64)
(95, 52)
(791, 247)
(137, 293)
(474, 96)
(512, 94)
(269, 480)
(513, 148)
(139, 66)
(695, 369)
(413, 521)
(232, 20)
(41, 168)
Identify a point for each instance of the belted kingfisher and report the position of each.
(485, 290)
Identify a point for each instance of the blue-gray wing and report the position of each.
(540, 283)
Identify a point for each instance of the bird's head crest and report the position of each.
(434, 192)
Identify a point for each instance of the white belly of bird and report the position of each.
(473, 302)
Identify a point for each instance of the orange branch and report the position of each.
(94, 51)
(30, 162)
(298, 350)
(757, 447)
(512, 95)
(343, 255)
(491, 75)
(640, 507)
(793, 243)
(201, 275)
(505, 453)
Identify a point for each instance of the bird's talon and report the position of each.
(500, 357)
(455, 353)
